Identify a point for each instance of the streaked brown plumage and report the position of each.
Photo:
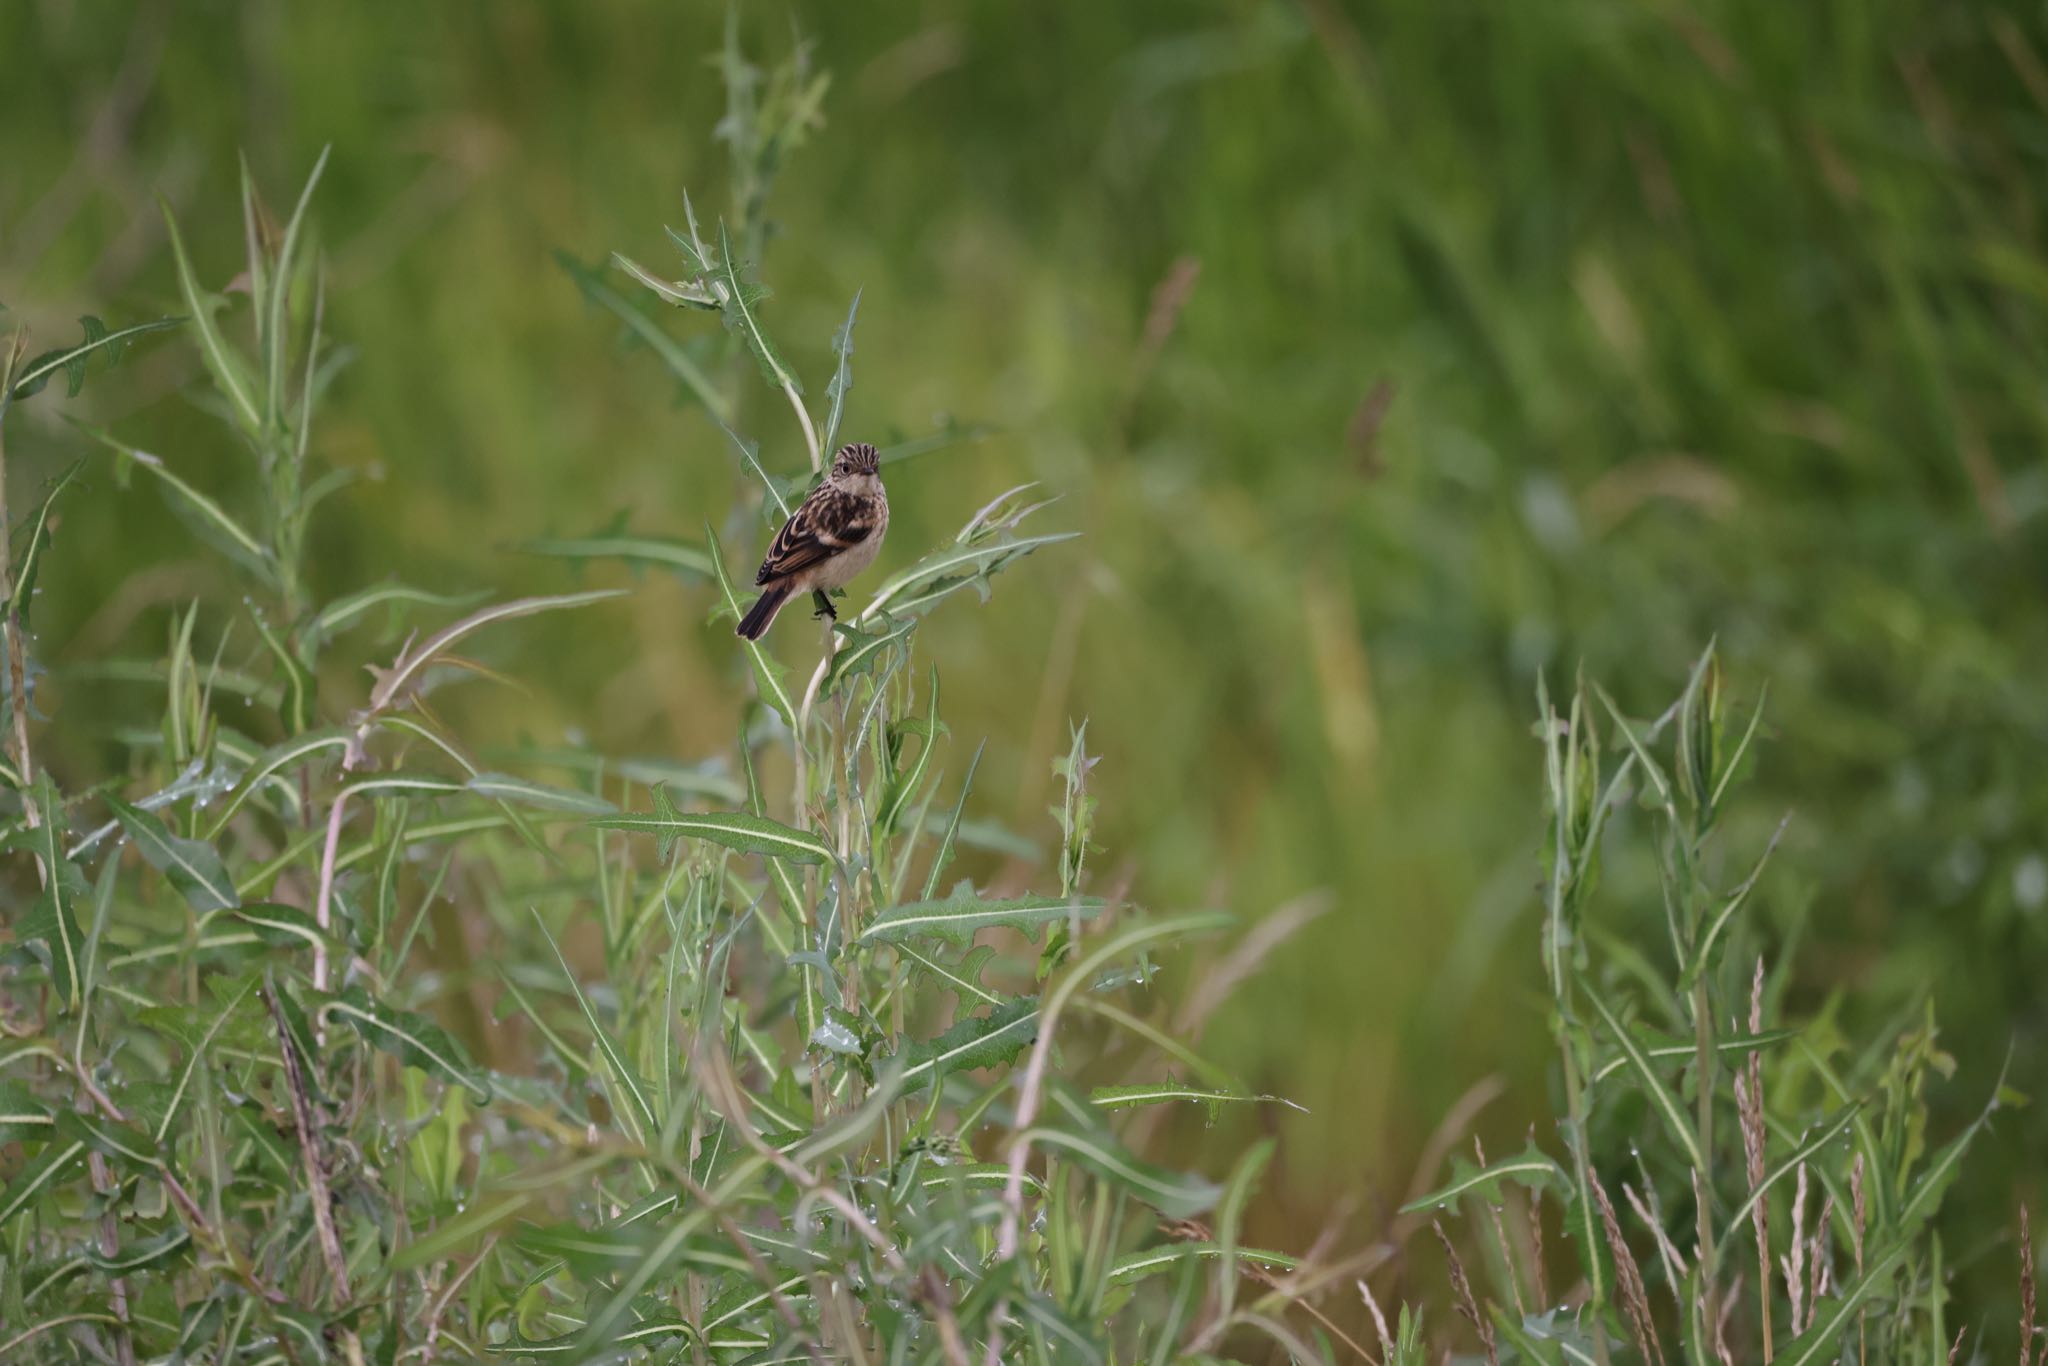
(831, 538)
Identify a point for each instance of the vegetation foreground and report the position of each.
(798, 1095)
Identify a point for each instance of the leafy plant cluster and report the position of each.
(326, 1040)
(1735, 1187)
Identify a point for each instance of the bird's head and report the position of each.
(855, 460)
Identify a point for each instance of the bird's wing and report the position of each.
(828, 522)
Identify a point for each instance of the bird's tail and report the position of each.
(761, 615)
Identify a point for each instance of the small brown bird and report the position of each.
(827, 541)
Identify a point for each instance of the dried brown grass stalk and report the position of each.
(1635, 1299)
(1749, 1107)
(1794, 1261)
(1466, 1304)
(1667, 1251)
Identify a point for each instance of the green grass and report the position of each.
(1719, 325)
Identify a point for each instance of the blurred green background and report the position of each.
(1387, 353)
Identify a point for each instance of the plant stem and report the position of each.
(1703, 1034)
(10, 626)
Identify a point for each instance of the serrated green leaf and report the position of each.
(51, 920)
(859, 646)
(641, 1115)
(229, 370)
(37, 371)
(1546, 1352)
(193, 866)
(408, 1037)
(38, 540)
(960, 916)
(842, 377)
(741, 311)
(975, 1042)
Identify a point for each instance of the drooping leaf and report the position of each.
(686, 559)
(644, 329)
(279, 758)
(1671, 1051)
(506, 787)
(681, 293)
(1654, 1086)
(24, 1116)
(395, 686)
(959, 916)
(345, 611)
(42, 1173)
(1531, 1168)
(1702, 957)
(193, 866)
(1177, 1195)
(282, 926)
(1818, 1138)
(741, 830)
(140, 1255)
(769, 674)
(1137, 1266)
(947, 571)
(408, 1037)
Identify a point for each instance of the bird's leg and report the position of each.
(824, 604)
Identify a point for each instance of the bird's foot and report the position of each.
(824, 605)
